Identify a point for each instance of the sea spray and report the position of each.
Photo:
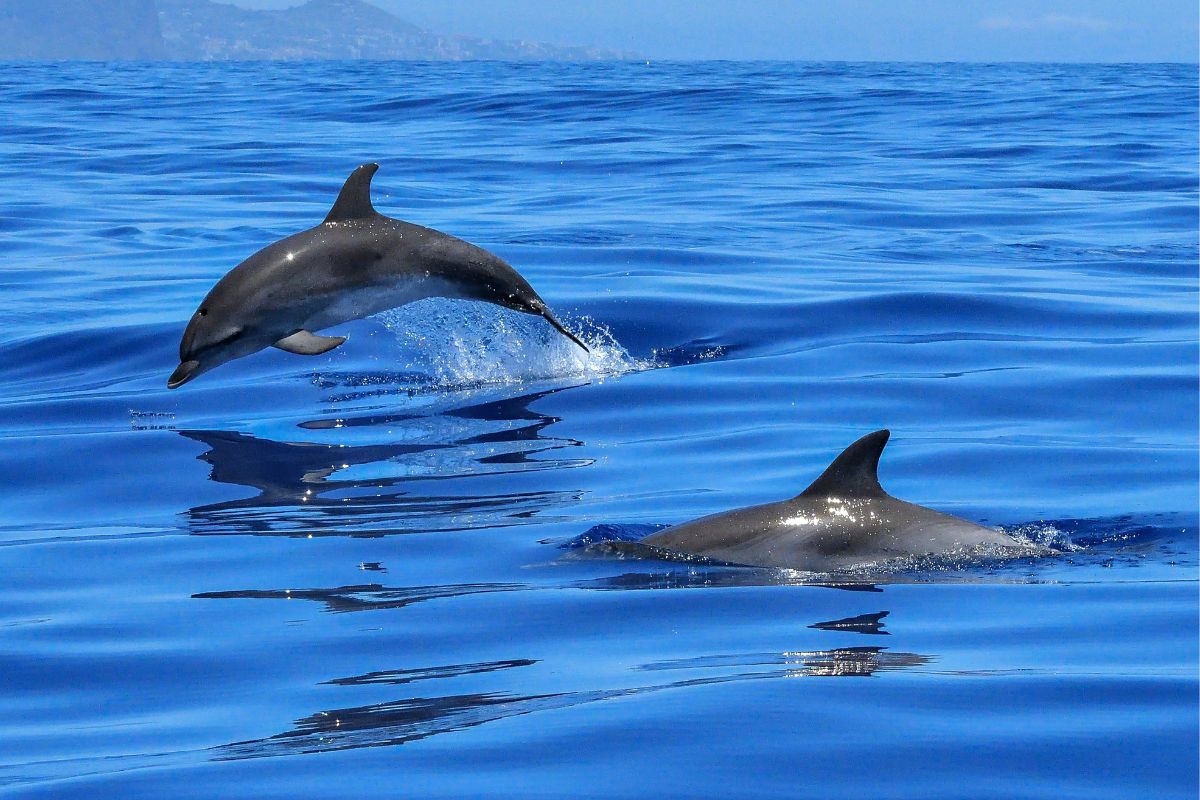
(455, 344)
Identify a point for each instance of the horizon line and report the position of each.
(631, 60)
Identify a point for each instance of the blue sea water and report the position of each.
(361, 574)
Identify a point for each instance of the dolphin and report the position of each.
(356, 263)
(843, 520)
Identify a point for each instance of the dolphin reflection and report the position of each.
(374, 596)
(411, 719)
(863, 623)
(340, 487)
(397, 677)
(364, 597)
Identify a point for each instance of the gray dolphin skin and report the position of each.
(844, 519)
(354, 264)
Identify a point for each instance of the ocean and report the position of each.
(363, 574)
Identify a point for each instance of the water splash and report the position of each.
(459, 344)
(1043, 534)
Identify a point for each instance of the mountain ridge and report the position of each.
(204, 30)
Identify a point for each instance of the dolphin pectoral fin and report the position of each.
(304, 343)
(563, 330)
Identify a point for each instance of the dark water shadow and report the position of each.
(375, 596)
(869, 624)
(339, 488)
(411, 719)
(364, 597)
(398, 677)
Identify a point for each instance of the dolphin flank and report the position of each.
(356, 263)
(844, 519)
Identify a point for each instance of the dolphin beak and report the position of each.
(562, 329)
(182, 374)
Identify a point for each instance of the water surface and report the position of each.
(344, 575)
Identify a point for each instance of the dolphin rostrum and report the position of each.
(354, 264)
(844, 519)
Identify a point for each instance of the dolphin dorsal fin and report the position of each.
(855, 473)
(354, 201)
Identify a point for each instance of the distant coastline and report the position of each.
(204, 30)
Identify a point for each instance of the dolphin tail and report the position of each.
(545, 312)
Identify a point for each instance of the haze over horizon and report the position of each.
(851, 30)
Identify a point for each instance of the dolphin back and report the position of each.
(842, 520)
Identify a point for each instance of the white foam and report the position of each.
(1042, 534)
(460, 344)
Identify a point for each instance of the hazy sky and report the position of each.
(868, 30)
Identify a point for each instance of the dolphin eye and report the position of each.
(203, 312)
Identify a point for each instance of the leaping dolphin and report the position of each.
(844, 519)
(354, 264)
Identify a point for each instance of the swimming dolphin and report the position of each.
(844, 519)
(354, 264)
